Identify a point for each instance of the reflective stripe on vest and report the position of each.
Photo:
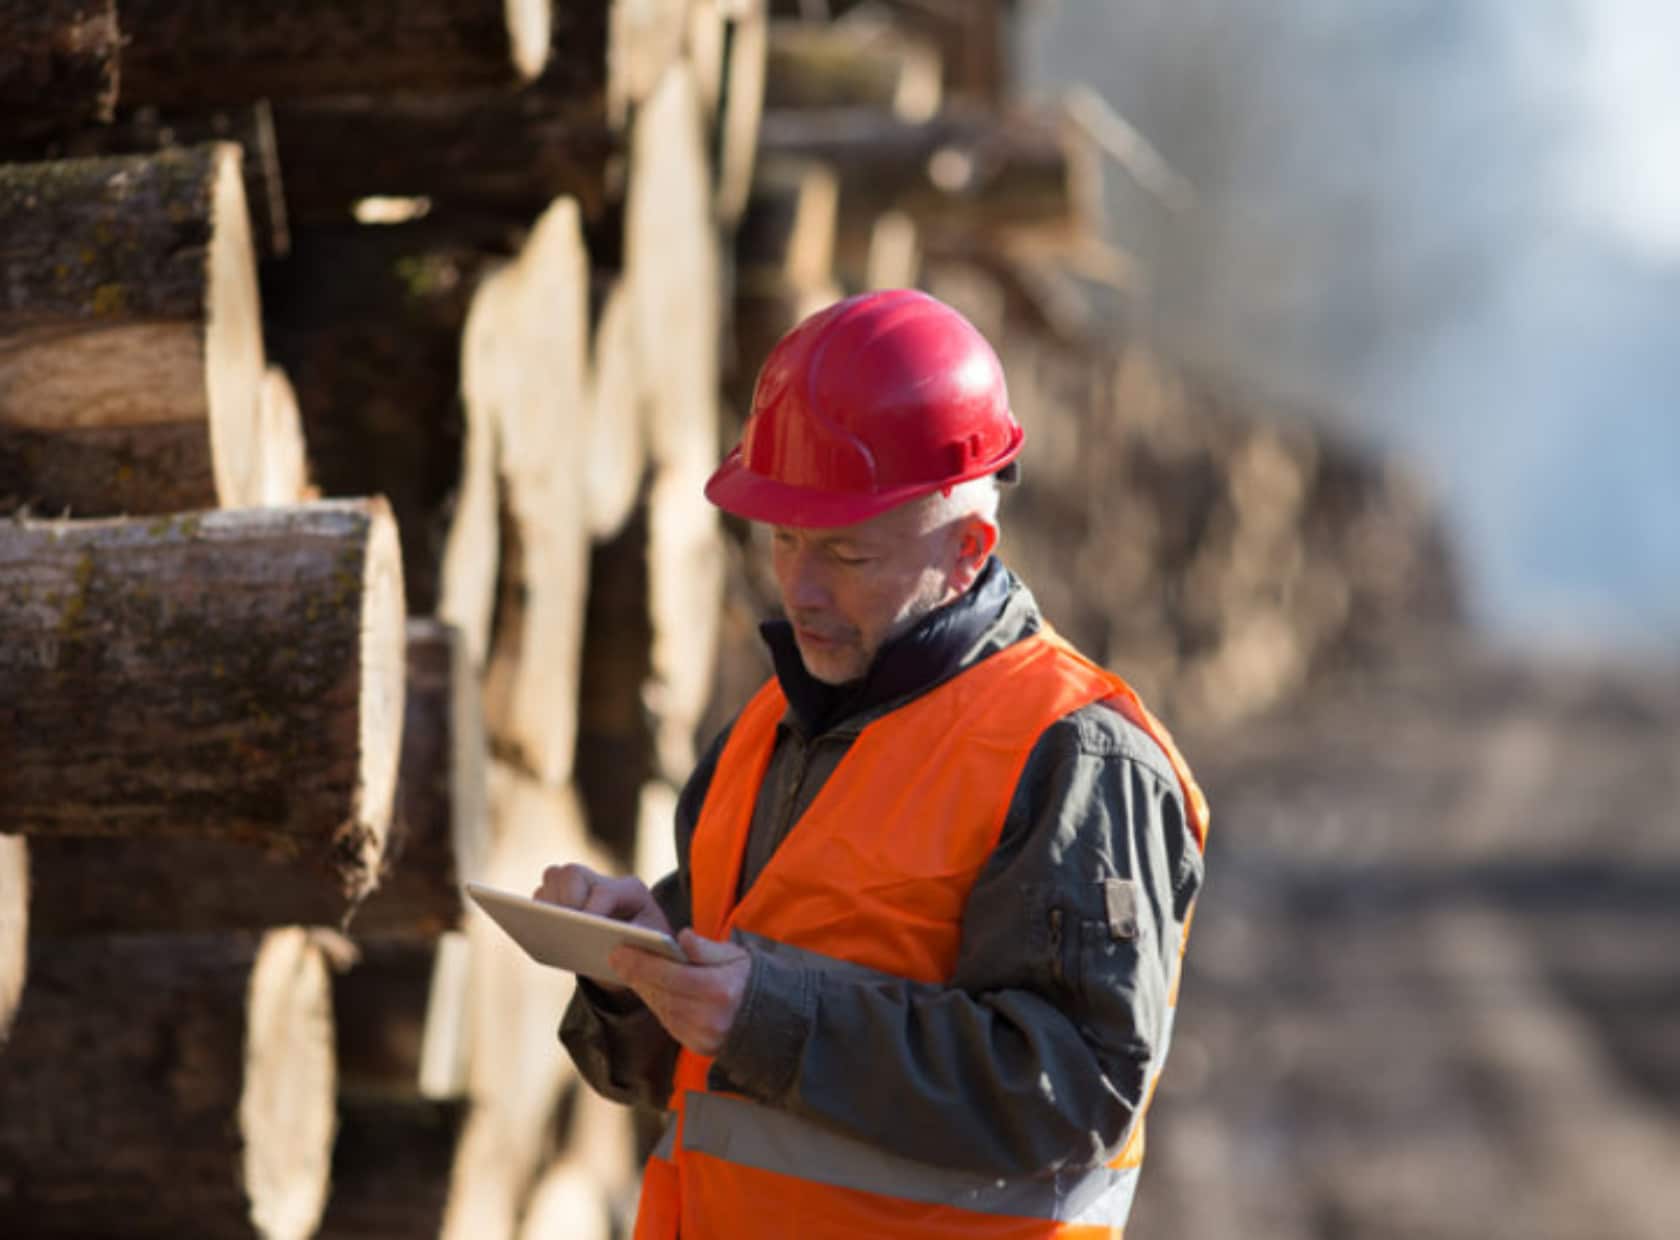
(743, 1132)
(862, 878)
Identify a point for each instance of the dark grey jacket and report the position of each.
(1037, 1056)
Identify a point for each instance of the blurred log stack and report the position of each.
(457, 267)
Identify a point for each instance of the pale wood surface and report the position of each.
(525, 360)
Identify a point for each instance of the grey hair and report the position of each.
(976, 498)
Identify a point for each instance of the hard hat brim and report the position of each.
(738, 490)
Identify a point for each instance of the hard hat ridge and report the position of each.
(865, 405)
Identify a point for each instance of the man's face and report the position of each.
(849, 589)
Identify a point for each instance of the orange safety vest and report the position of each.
(877, 873)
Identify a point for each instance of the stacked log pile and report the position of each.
(486, 327)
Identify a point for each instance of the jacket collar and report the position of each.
(995, 611)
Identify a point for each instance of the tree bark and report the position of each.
(131, 358)
(492, 152)
(367, 323)
(525, 359)
(871, 64)
(390, 1169)
(145, 131)
(224, 675)
(380, 1004)
(198, 53)
(440, 830)
(169, 1086)
(993, 172)
(786, 235)
(736, 100)
(101, 885)
(60, 67)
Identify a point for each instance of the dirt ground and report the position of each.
(1433, 987)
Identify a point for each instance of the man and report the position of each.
(934, 879)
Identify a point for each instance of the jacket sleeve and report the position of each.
(1037, 1056)
(619, 1047)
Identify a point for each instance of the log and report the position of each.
(786, 235)
(101, 885)
(685, 593)
(440, 828)
(566, 1202)
(146, 131)
(367, 322)
(671, 263)
(739, 95)
(612, 474)
(131, 357)
(894, 258)
(60, 67)
(285, 469)
(671, 266)
(379, 1006)
(864, 62)
(646, 40)
(615, 744)
(515, 1070)
(524, 359)
(14, 926)
(971, 38)
(192, 54)
(169, 1086)
(224, 675)
(963, 171)
(390, 1168)
(491, 152)
(598, 1137)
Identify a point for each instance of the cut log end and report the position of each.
(14, 926)
(233, 341)
(287, 1109)
(530, 23)
(384, 675)
(284, 462)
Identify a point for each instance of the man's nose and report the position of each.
(806, 585)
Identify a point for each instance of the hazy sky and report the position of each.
(1456, 223)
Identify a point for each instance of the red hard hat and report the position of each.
(876, 400)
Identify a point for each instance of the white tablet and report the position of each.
(565, 938)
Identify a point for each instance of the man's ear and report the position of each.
(975, 544)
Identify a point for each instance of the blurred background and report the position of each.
(1434, 987)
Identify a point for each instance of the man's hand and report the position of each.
(622, 899)
(697, 1001)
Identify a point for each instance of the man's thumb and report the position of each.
(701, 950)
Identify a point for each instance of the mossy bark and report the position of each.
(140, 1082)
(60, 67)
(210, 676)
(202, 53)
